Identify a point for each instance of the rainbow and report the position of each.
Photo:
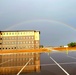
(40, 20)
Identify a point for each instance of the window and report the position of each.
(3, 42)
(6, 33)
(29, 42)
(20, 42)
(23, 37)
(15, 37)
(23, 42)
(3, 33)
(26, 41)
(0, 38)
(9, 33)
(6, 42)
(0, 43)
(36, 42)
(26, 58)
(32, 41)
(21, 32)
(12, 33)
(32, 37)
(29, 46)
(20, 37)
(15, 42)
(15, 47)
(6, 38)
(12, 42)
(32, 46)
(26, 37)
(29, 37)
(26, 46)
(23, 58)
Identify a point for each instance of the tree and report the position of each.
(41, 46)
(72, 44)
(61, 46)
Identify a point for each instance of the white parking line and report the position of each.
(60, 67)
(71, 57)
(24, 66)
(68, 63)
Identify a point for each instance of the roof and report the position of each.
(19, 30)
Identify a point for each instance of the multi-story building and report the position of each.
(19, 40)
(24, 39)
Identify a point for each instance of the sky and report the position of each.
(55, 19)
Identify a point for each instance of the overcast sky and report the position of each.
(56, 19)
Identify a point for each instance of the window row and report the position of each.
(19, 42)
(16, 33)
(17, 38)
(20, 47)
(0, 38)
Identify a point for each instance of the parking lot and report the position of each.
(57, 63)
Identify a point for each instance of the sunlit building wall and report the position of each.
(27, 39)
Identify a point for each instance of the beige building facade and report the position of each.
(16, 40)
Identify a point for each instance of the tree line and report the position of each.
(72, 44)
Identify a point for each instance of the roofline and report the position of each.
(19, 31)
(16, 30)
